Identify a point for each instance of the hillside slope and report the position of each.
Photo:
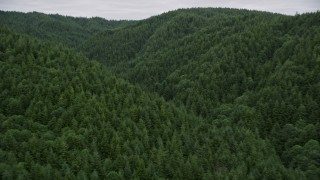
(64, 29)
(218, 93)
(266, 65)
(63, 116)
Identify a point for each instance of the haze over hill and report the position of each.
(204, 93)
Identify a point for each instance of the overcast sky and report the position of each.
(141, 9)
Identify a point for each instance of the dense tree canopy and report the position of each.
(190, 94)
(61, 29)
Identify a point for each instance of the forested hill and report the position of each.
(63, 116)
(190, 94)
(65, 29)
(262, 70)
(193, 32)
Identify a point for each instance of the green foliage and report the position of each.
(190, 94)
(64, 29)
(264, 67)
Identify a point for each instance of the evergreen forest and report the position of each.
(201, 93)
